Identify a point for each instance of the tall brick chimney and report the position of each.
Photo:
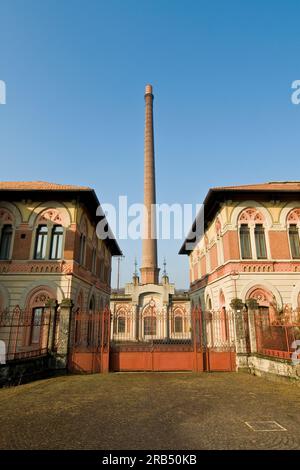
(149, 269)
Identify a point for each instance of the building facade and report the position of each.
(245, 269)
(49, 255)
(147, 312)
(249, 248)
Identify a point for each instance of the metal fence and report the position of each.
(89, 341)
(90, 330)
(152, 326)
(209, 329)
(219, 330)
(278, 335)
(25, 333)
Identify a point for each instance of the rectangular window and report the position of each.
(149, 326)
(56, 242)
(260, 242)
(37, 315)
(41, 242)
(178, 324)
(246, 252)
(82, 249)
(294, 241)
(5, 243)
(121, 325)
(94, 260)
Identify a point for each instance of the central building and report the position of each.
(149, 308)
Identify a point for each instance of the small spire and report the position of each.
(135, 267)
(165, 267)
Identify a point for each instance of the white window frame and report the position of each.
(288, 235)
(50, 225)
(2, 225)
(251, 226)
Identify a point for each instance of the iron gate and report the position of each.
(193, 341)
(162, 341)
(219, 340)
(89, 342)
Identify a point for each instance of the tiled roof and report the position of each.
(39, 186)
(271, 186)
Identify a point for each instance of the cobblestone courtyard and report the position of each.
(150, 411)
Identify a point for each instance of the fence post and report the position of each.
(64, 330)
(50, 314)
(197, 338)
(137, 320)
(240, 338)
(105, 340)
(252, 313)
(240, 332)
(16, 313)
(194, 339)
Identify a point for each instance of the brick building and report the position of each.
(249, 254)
(250, 246)
(49, 255)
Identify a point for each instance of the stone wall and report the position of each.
(26, 370)
(270, 368)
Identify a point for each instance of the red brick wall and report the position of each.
(213, 257)
(279, 245)
(69, 244)
(203, 265)
(77, 246)
(231, 245)
(21, 248)
(88, 257)
(195, 268)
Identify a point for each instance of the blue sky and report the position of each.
(221, 70)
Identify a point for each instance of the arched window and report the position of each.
(36, 331)
(267, 307)
(294, 241)
(121, 324)
(178, 324)
(7, 225)
(41, 242)
(252, 234)
(245, 242)
(56, 242)
(55, 250)
(149, 326)
(260, 241)
(92, 304)
(49, 237)
(5, 241)
(35, 334)
(90, 322)
(293, 223)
